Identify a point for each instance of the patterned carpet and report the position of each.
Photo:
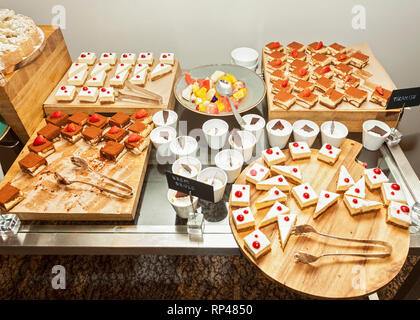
(149, 277)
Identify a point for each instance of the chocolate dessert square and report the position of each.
(72, 132)
(92, 135)
(142, 115)
(141, 128)
(135, 143)
(58, 118)
(115, 134)
(284, 100)
(119, 119)
(97, 120)
(306, 99)
(9, 197)
(79, 118)
(295, 45)
(112, 151)
(44, 149)
(355, 96)
(32, 163)
(50, 132)
(331, 98)
(324, 84)
(301, 85)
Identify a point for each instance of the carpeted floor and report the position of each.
(149, 277)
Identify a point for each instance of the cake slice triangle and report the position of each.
(277, 181)
(292, 172)
(286, 223)
(325, 200)
(370, 205)
(270, 197)
(358, 189)
(271, 216)
(345, 181)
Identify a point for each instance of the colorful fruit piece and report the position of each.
(188, 79)
(240, 94)
(212, 108)
(202, 108)
(206, 84)
(231, 78)
(200, 82)
(220, 106)
(380, 90)
(39, 140)
(202, 93)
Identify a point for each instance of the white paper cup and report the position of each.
(248, 140)
(373, 141)
(339, 134)
(182, 207)
(302, 136)
(189, 150)
(162, 145)
(256, 129)
(171, 122)
(215, 140)
(192, 162)
(220, 180)
(246, 57)
(222, 161)
(279, 138)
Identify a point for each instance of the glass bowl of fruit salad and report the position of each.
(196, 91)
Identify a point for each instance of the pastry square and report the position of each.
(96, 80)
(324, 84)
(142, 115)
(72, 132)
(329, 154)
(97, 120)
(304, 195)
(160, 70)
(88, 94)
(326, 200)
(10, 196)
(139, 78)
(300, 74)
(141, 128)
(285, 223)
(167, 58)
(75, 68)
(353, 204)
(281, 85)
(240, 195)
(118, 79)
(57, 118)
(358, 189)
(341, 70)
(298, 64)
(277, 75)
(257, 173)
(78, 79)
(375, 177)
(380, 96)
(136, 143)
(42, 147)
(331, 98)
(112, 151)
(316, 47)
(284, 100)
(87, 57)
(336, 48)
(369, 205)
(399, 214)
(270, 197)
(145, 57)
(292, 173)
(128, 57)
(340, 58)
(321, 71)
(65, 93)
(296, 55)
(319, 59)
(115, 134)
(79, 118)
(272, 215)
(299, 150)
(347, 82)
(257, 244)
(345, 181)
(243, 218)
(100, 68)
(106, 94)
(306, 99)
(301, 85)
(275, 64)
(119, 119)
(359, 60)
(139, 67)
(32, 164)
(276, 55)
(108, 57)
(355, 96)
(272, 47)
(50, 132)
(392, 192)
(92, 135)
(295, 45)
(279, 182)
(273, 155)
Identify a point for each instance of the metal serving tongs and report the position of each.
(136, 94)
(307, 258)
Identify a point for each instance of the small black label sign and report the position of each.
(186, 185)
(404, 98)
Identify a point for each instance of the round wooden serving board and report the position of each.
(329, 277)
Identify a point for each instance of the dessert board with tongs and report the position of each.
(154, 96)
(79, 185)
(306, 264)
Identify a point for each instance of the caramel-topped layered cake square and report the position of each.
(120, 120)
(324, 84)
(284, 100)
(275, 64)
(298, 64)
(307, 99)
(79, 118)
(92, 135)
(112, 151)
(340, 58)
(33, 164)
(9, 197)
(341, 70)
(273, 47)
(277, 55)
(300, 74)
(355, 96)
(295, 46)
(142, 115)
(359, 60)
(321, 71)
(316, 47)
(50, 132)
(141, 128)
(319, 59)
(296, 55)
(72, 132)
(331, 98)
(58, 118)
(135, 143)
(348, 81)
(380, 96)
(115, 134)
(42, 146)
(277, 75)
(301, 85)
(97, 120)
(336, 48)
(282, 85)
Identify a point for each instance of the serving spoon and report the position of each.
(224, 88)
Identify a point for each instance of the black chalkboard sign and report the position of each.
(404, 98)
(186, 185)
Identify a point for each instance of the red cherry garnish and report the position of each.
(83, 56)
(276, 192)
(405, 209)
(274, 45)
(105, 55)
(161, 64)
(246, 211)
(141, 114)
(395, 186)
(85, 88)
(306, 187)
(374, 177)
(134, 137)
(319, 45)
(295, 144)
(306, 195)
(93, 79)
(377, 170)
(327, 195)
(357, 190)
(39, 140)
(143, 56)
(303, 72)
(253, 172)
(295, 170)
(137, 76)
(280, 179)
(269, 151)
(347, 78)
(328, 146)
(286, 218)
(164, 56)
(63, 88)
(240, 218)
(285, 83)
(355, 201)
(70, 127)
(103, 89)
(306, 92)
(343, 56)
(117, 77)
(276, 62)
(124, 56)
(238, 194)
(114, 129)
(56, 114)
(279, 208)
(256, 245)
(346, 180)
(94, 118)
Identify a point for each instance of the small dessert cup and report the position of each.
(216, 177)
(374, 134)
(248, 141)
(161, 138)
(215, 132)
(231, 162)
(278, 133)
(187, 167)
(165, 118)
(182, 205)
(305, 131)
(184, 146)
(333, 137)
(255, 124)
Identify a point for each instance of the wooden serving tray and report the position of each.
(45, 199)
(345, 112)
(331, 277)
(163, 86)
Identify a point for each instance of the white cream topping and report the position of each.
(344, 174)
(245, 192)
(392, 194)
(272, 194)
(257, 172)
(329, 151)
(305, 188)
(285, 223)
(358, 189)
(325, 198)
(275, 154)
(257, 236)
(376, 177)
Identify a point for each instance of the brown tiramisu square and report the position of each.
(316, 47)
(141, 128)
(321, 71)
(32, 163)
(277, 55)
(380, 96)
(341, 70)
(92, 135)
(355, 96)
(135, 143)
(272, 47)
(300, 74)
(58, 118)
(319, 59)
(282, 85)
(97, 120)
(72, 132)
(295, 45)
(331, 98)
(336, 48)
(359, 60)
(50, 132)
(277, 75)
(348, 81)
(301, 85)
(9, 197)
(340, 58)
(296, 55)
(79, 118)
(299, 64)
(112, 151)
(274, 65)
(284, 100)
(115, 134)
(119, 119)
(324, 84)
(142, 115)
(42, 146)
(306, 98)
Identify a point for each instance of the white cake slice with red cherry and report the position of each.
(65, 93)
(88, 94)
(325, 200)
(299, 150)
(273, 156)
(76, 67)
(108, 57)
(78, 79)
(345, 181)
(272, 214)
(257, 243)
(270, 197)
(139, 67)
(375, 177)
(277, 181)
(145, 57)
(358, 189)
(399, 214)
(240, 195)
(286, 222)
(392, 192)
(243, 218)
(127, 57)
(357, 206)
(97, 80)
(370, 205)
(167, 57)
(139, 78)
(160, 70)
(328, 153)
(87, 57)
(257, 173)
(304, 195)
(99, 68)
(292, 173)
(106, 95)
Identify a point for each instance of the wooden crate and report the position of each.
(47, 200)
(25, 90)
(163, 86)
(346, 113)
